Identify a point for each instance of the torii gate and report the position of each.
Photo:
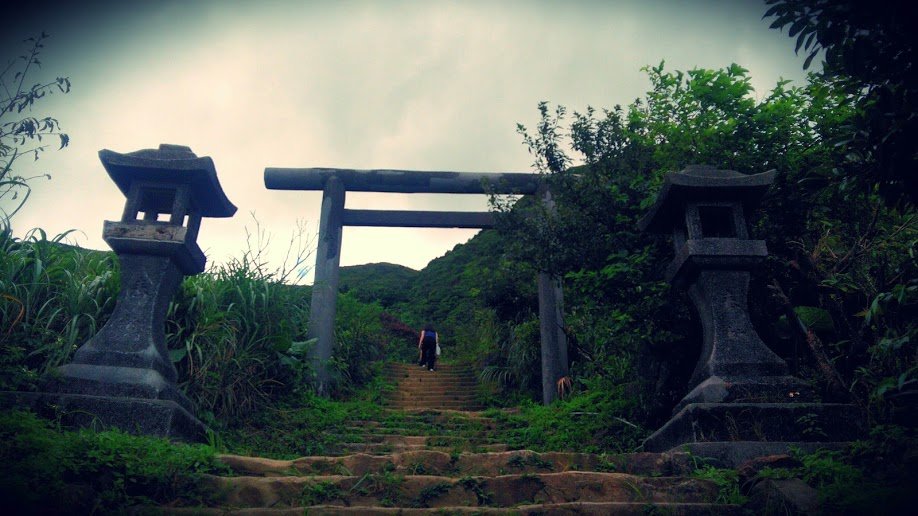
(334, 183)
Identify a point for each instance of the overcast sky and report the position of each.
(424, 85)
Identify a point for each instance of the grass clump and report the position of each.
(431, 493)
(590, 422)
(51, 470)
(876, 475)
(477, 487)
(305, 425)
(53, 297)
(727, 482)
(320, 493)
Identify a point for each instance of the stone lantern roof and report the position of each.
(702, 183)
(171, 164)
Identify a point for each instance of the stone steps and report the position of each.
(446, 459)
(418, 440)
(431, 396)
(449, 387)
(558, 509)
(429, 386)
(480, 464)
(458, 431)
(436, 383)
(429, 491)
(431, 405)
(388, 448)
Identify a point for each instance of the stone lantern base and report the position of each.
(158, 418)
(731, 433)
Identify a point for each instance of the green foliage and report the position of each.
(298, 426)
(383, 283)
(431, 493)
(869, 52)
(236, 334)
(875, 476)
(53, 471)
(229, 332)
(478, 488)
(591, 422)
(842, 258)
(319, 493)
(520, 462)
(846, 488)
(727, 481)
(359, 343)
(24, 135)
(53, 298)
(387, 486)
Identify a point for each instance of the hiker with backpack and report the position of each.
(428, 347)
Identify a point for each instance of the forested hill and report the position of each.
(453, 290)
(450, 288)
(386, 283)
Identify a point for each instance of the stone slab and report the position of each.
(158, 418)
(732, 454)
(156, 240)
(760, 422)
(788, 496)
(118, 382)
(762, 389)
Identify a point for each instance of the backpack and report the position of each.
(430, 338)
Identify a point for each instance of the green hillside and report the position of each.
(385, 283)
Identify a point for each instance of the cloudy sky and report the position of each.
(424, 85)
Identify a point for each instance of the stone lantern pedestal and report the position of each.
(742, 401)
(123, 376)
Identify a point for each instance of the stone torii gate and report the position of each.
(334, 183)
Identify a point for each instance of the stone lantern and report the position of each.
(123, 375)
(741, 392)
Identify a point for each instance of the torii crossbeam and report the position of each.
(335, 182)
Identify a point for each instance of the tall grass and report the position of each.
(360, 341)
(53, 297)
(228, 331)
(236, 334)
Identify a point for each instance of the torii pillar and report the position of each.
(334, 183)
(551, 326)
(325, 287)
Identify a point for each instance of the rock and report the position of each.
(780, 497)
(750, 469)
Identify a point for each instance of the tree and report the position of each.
(21, 133)
(869, 50)
(842, 266)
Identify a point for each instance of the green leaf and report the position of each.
(298, 348)
(797, 27)
(176, 355)
(815, 318)
(809, 59)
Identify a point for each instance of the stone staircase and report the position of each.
(450, 387)
(416, 460)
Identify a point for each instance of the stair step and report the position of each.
(390, 448)
(433, 376)
(421, 429)
(409, 406)
(429, 401)
(431, 462)
(440, 491)
(420, 440)
(445, 367)
(434, 403)
(558, 509)
(424, 397)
